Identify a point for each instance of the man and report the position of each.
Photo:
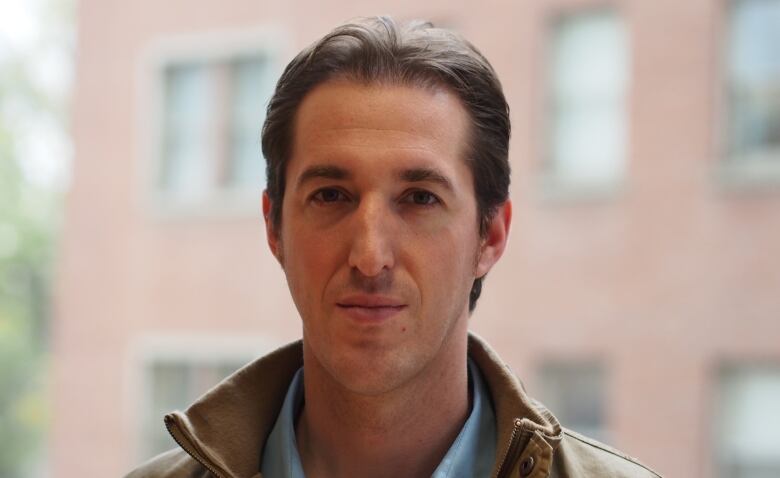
(387, 204)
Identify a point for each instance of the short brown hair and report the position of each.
(375, 50)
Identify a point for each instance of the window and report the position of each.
(574, 393)
(186, 156)
(589, 74)
(747, 431)
(753, 87)
(174, 370)
(212, 112)
(173, 384)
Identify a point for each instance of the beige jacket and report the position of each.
(224, 432)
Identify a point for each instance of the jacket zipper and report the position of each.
(169, 424)
(511, 450)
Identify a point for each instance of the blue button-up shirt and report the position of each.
(470, 455)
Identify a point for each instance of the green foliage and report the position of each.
(25, 249)
(22, 401)
(28, 216)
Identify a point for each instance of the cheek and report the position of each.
(307, 265)
(446, 265)
(314, 255)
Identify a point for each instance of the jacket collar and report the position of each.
(519, 418)
(225, 430)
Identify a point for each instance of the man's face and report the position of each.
(379, 234)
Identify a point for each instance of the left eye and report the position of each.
(328, 195)
(421, 198)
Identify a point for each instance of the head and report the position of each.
(379, 51)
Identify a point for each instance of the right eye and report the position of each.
(328, 195)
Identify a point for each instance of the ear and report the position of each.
(494, 242)
(274, 242)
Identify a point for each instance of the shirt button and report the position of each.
(526, 466)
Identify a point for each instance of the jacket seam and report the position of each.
(194, 453)
(606, 449)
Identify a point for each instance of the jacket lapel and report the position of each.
(226, 429)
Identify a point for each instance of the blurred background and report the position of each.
(639, 297)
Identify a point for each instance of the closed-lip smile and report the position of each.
(369, 301)
(370, 306)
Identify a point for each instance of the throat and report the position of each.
(381, 436)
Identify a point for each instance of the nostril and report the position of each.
(371, 257)
(371, 237)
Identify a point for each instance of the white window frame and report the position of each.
(567, 364)
(731, 370)
(554, 187)
(732, 172)
(151, 349)
(209, 48)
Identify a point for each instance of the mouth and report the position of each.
(370, 308)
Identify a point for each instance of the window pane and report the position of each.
(174, 386)
(169, 382)
(754, 80)
(574, 393)
(186, 168)
(589, 75)
(252, 86)
(748, 422)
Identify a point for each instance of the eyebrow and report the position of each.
(324, 172)
(416, 175)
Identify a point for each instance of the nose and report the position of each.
(371, 251)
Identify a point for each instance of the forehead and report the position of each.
(346, 121)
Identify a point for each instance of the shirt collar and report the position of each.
(473, 451)
(280, 457)
(471, 454)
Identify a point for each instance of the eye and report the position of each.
(421, 198)
(328, 195)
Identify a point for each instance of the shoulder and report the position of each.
(174, 463)
(583, 457)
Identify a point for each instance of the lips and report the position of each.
(370, 307)
(369, 301)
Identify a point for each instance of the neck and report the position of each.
(402, 432)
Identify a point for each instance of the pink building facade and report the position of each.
(640, 293)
